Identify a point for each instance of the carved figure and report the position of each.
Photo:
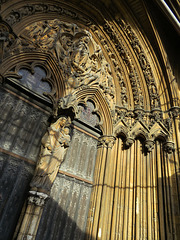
(53, 149)
(80, 58)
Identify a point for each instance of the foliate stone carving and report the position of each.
(28, 10)
(149, 145)
(129, 141)
(140, 123)
(153, 93)
(139, 114)
(106, 141)
(133, 76)
(37, 198)
(169, 147)
(155, 116)
(120, 113)
(117, 68)
(174, 112)
(67, 102)
(54, 146)
(80, 58)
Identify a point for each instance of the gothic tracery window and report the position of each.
(34, 82)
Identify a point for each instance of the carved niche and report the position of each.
(78, 55)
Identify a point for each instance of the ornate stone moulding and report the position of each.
(22, 12)
(81, 97)
(80, 58)
(37, 198)
(150, 126)
(7, 38)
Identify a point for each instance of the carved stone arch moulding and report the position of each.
(22, 12)
(80, 70)
(11, 66)
(77, 55)
(83, 96)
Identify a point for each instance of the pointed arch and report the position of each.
(101, 107)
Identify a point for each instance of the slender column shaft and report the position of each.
(32, 216)
(108, 189)
(131, 194)
(149, 197)
(138, 192)
(160, 192)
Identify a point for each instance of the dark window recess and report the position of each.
(88, 115)
(31, 86)
(34, 81)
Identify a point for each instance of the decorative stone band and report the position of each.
(149, 144)
(106, 141)
(37, 198)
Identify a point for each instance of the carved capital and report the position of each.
(129, 142)
(174, 112)
(139, 114)
(37, 198)
(169, 147)
(106, 141)
(157, 115)
(149, 145)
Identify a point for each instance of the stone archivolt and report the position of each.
(153, 93)
(83, 65)
(31, 9)
(89, 70)
(80, 58)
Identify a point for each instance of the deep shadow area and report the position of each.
(55, 224)
(15, 176)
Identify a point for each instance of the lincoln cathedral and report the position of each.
(89, 120)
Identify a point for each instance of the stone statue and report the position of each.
(54, 146)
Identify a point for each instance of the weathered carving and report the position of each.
(169, 147)
(37, 198)
(133, 76)
(139, 123)
(153, 93)
(106, 141)
(174, 112)
(28, 10)
(54, 146)
(7, 38)
(78, 55)
(117, 68)
(149, 145)
(129, 141)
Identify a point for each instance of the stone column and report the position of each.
(102, 179)
(36, 201)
